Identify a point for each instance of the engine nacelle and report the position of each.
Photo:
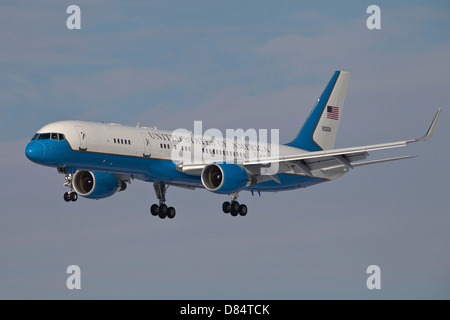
(225, 178)
(97, 185)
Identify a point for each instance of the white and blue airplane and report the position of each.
(99, 159)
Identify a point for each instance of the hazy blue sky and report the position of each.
(232, 64)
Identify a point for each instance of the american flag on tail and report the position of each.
(333, 113)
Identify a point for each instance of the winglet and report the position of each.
(430, 131)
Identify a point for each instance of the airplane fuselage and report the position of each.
(147, 154)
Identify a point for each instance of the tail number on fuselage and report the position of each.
(326, 128)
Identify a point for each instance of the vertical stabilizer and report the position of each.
(320, 129)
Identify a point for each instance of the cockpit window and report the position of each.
(46, 136)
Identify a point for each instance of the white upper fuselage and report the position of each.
(116, 139)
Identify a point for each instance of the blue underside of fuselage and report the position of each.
(59, 154)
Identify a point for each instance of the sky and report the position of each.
(231, 64)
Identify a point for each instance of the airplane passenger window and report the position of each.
(129, 142)
(121, 141)
(114, 140)
(125, 141)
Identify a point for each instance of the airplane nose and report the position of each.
(35, 151)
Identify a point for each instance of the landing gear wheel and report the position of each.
(226, 207)
(73, 196)
(163, 211)
(234, 208)
(154, 210)
(66, 197)
(171, 212)
(243, 210)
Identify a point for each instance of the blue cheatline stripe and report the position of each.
(60, 154)
(304, 139)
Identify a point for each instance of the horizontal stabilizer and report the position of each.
(364, 163)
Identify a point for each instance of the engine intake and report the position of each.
(97, 185)
(225, 178)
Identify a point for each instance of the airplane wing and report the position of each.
(305, 162)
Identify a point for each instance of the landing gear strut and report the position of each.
(71, 195)
(233, 207)
(161, 210)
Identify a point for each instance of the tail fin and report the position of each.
(320, 129)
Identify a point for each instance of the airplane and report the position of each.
(100, 159)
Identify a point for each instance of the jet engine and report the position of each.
(97, 185)
(225, 178)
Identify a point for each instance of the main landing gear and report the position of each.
(161, 210)
(233, 207)
(71, 195)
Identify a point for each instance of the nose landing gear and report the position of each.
(70, 195)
